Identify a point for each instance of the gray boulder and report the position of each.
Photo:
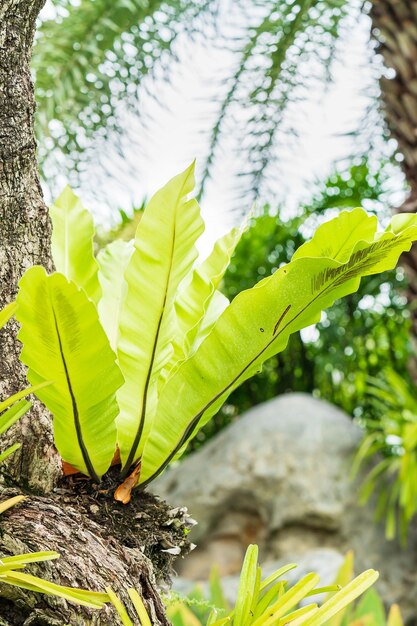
(287, 459)
(279, 477)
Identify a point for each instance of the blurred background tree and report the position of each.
(92, 55)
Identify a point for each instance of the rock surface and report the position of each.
(279, 477)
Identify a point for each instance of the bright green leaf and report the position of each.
(344, 576)
(63, 340)
(288, 600)
(164, 254)
(299, 615)
(11, 416)
(21, 394)
(257, 325)
(197, 291)
(371, 604)
(269, 596)
(336, 239)
(113, 260)
(33, 583)
(72, 243)
(33, 557)
(275, 575)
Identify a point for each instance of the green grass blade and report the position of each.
(139, 607)
(121, 610)
(13, 414)
(343, 597)
(247, 585)
(7, 312)
(22, 394)
(39, 585)
(291, 598)
(33, 557)
(9, 451)
(8, 504)
(273, 577)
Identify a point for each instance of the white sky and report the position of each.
(176, 135)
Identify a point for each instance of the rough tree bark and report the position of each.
(101, 543)
(394, 26)
(24, 225)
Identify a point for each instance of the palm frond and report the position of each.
(91, 56)
(278, 48)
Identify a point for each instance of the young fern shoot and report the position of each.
(141, 344)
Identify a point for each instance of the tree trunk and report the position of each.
(101, 543)
(24, 229)
(394, 26)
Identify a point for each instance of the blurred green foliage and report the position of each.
(358, 183)
(124, 229)
(360, 336)
(390, 451)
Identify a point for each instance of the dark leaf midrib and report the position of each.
(76, 415)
